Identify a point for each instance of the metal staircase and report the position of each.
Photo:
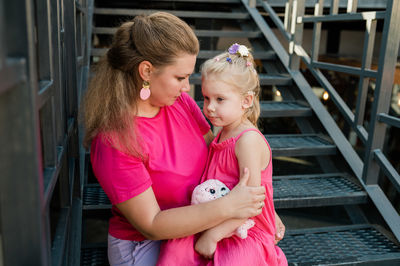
(337, 180)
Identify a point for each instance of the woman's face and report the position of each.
(168, 82)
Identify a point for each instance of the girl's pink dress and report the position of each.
(258, 248)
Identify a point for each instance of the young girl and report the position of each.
(230, 87)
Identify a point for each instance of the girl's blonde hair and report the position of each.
(237, 71)
(110, 103)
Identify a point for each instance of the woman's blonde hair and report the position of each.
(110, 103)
(237, 71)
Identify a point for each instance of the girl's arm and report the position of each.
(252, 152)
(280, 229)
(145, 215)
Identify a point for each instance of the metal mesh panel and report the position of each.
(281, 106)
(94, 256)
(296, 141)
(338, 246)
(328, 186)
(94, 195)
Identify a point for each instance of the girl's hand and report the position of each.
(280, 229)
(245, 201)
(206, 246)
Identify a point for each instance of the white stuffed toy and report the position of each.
(213, 189)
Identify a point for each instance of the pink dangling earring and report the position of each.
(145, 91)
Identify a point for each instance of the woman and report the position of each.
(149, 141)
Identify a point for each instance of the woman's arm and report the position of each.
(145, 215)
(208, 137)
(252, 152)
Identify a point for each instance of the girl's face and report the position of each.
(223, 103)
(167, 83)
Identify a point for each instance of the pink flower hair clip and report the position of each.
(249, 64)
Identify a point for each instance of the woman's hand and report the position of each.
(280, 229)
(245, 201)
(206, 246)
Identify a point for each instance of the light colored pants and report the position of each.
(129, 253)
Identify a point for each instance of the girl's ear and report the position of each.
(145, 69)
(247, 101)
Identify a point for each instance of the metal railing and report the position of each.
(374, 162)
(43, 63)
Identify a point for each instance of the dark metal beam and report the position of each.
(387, 169)
(388, 119)
(182, 14)
(343, 17)
(383, 89)
(12, 73)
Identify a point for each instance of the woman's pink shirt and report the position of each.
(177, 154)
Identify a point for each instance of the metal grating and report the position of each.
(289, 192)
(317, 186)
(94, 197)
(300, 145)
(94, 256)
(306, 191)
(265, 79)
(352, 244)
(278, 109)
(337, 245)
(283, 109)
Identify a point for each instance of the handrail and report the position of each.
(388, 169)
(389, 120)
(343, 17)
(276, 20)
(374, 159)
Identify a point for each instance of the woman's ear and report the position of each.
(145, 69)
(247, 101)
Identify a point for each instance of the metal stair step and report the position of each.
(181, 14)
(339, 245)
(94, 255)
(203, 54)
(279, 109)
(199, 33)
(284, 109)
(289, 192)
(94, 198)
(261, 55)
(316, 190)
(265, 79)
(300, 145)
